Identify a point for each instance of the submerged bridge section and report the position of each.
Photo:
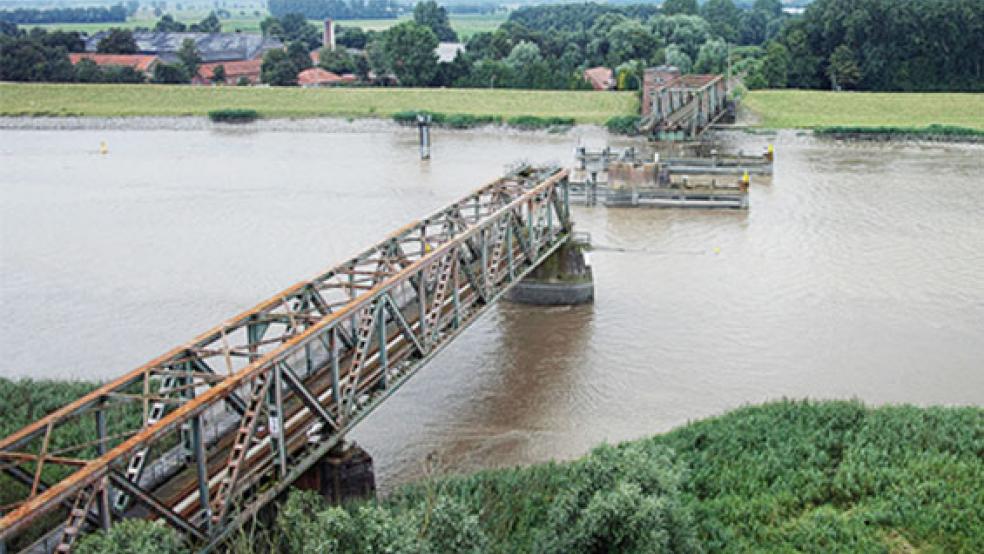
(681, 107)
(205, 435)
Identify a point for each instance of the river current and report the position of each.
(858, 272)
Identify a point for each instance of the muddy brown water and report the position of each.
(857, 273)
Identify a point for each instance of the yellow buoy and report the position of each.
(103, 148)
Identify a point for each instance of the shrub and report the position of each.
(624, 125)
(235, 115)
(133, 535)
(532, 122)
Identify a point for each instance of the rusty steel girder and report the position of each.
(206, 434)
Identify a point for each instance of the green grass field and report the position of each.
(464, 25)
(25, 99)
(781, 109)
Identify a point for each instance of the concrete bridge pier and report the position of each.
(563, 279)
(344, 474)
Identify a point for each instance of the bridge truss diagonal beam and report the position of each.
(211, 431)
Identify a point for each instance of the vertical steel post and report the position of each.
(201, 467)
(381, 332)
(336, 394)
(423, 124)
(105, 516)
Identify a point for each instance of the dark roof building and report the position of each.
(213, 47)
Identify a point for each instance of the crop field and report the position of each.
(781, 109)
(465, 25)
(182, 100)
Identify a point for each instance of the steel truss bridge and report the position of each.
(205, 435)
(683, 106)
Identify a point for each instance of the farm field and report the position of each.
(180, 100)
(464, 25)
(780, 109)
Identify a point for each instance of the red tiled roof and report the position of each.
(242, 68)
(319, 76)
(599, 77)
(140, 62)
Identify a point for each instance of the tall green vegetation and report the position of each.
(782, 477)
(429, 14)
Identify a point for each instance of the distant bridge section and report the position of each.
(681, 107)
(205, 435)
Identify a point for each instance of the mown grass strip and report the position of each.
(108, 100)
(810, 109)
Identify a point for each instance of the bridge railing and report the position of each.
(208, 433)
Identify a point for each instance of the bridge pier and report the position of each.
(344, 474)
(563, 279)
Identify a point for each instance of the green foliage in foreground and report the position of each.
(233, 115)
(889, 132)
(781, 477)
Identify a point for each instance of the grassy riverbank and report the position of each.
(25, 99)
(783, 109)
(786, 476)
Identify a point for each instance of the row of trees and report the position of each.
(99, 14)
(338, 9)
(210, 24)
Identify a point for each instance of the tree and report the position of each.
(278, 69)
(772, 8)
(25, 58)
(219, 75)
(843, 69)
(408, 51)
(335, 60)
(117, 41)
(299, 55)
(723, 17)
(295, 27)
(170, 73)
(775, 67)
(672, 7)
(189, 57)
(210, 24)
(687, 31)
(630, 40)
(712, 58)
(243, 82)
(167, 24)
(429, 14)
(676, 56)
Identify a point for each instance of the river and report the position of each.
(857, 273)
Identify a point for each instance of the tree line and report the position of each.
(113, 14)
(338, 9)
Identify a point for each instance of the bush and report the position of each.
(450, 121)
(531, 122)
(624, 125)
(236, 115)
(934, 130)
(133, 535)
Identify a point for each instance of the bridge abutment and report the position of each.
(563, 279)
(344, 474)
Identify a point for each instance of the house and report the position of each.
(447, 51)
(234, 71)
(318, 77)
(141, 62)
(601, 78)
(212, 47)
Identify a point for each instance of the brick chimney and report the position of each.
(329, 38)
